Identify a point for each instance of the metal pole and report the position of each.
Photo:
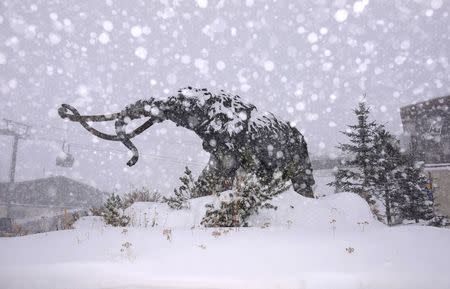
(12, 169)
(17, 130)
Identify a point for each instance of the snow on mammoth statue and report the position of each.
(233, 132)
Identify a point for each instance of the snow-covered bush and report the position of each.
(248, 197)
(69, 219)
(182, 193)
(208, 184)
(97, 211)
(439, 221)
(112, 212)
(142, 194)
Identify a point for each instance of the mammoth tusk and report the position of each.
(75, 116)
(120, 131)
(120, 124)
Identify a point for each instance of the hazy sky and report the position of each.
(306, 61)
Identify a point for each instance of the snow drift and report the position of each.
(302, 247)
(346, 210)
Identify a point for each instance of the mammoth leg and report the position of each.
(302, 178)
(301, 174)
(302, 184)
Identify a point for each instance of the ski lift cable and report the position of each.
(162, 157)
(188, 143)
(121, 152)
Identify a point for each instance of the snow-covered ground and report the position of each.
(332, 242)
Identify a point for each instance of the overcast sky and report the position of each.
(308, 62)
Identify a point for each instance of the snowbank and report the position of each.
(310, 251)
(346, 210)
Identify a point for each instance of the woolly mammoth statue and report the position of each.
(233, 132)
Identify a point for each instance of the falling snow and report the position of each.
(306, 62)
(141, 52)
(2, 58)
(103, 38)
(341, 15)
(202, 3)
(136, 31)
(220, 65)
(269, 65)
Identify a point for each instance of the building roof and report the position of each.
(52, 191)
(435, 104)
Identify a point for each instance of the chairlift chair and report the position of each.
(65, 159)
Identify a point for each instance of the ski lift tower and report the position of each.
(18, 131)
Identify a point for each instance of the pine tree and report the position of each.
(385, 163)
(380, 173)
(417, 205)
(113, 212)
(207, 184)
(183, 193)
(355, 176)
(249, 196)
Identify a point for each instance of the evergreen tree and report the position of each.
(183, 193)
(249, 196)
(379, 172)
(356, 175)
(113, 212)
(413, 182)
(385, 163)
(208, 184)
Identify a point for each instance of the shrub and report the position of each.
(248, 198)
(142, 194)
(112, 212)
(113, 209)
(439, 221)
(97, 211)
(69, 219)
(182, 193)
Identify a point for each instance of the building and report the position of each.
(39, 205)
(427, 124)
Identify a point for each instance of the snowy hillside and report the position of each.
(309, 243)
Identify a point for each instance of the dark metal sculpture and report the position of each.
(233, 132)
